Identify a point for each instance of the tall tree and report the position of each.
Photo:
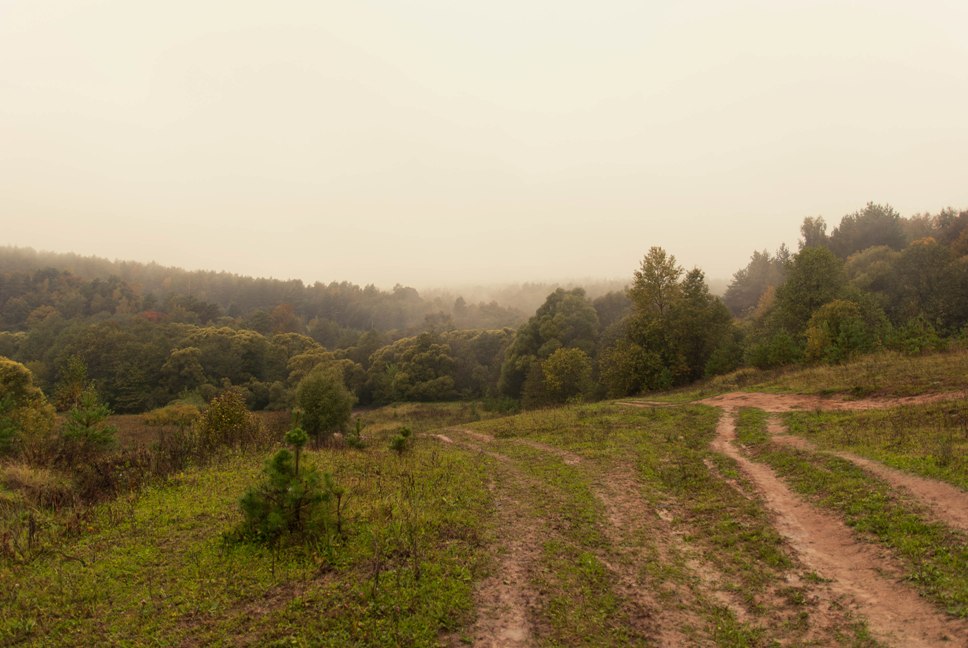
(813, 232)
(673, 330)
(750, 283)
(816, 277)
(325, 402)
(872, 225)
(566, 319)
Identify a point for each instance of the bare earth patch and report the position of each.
(505, 597)
(895, 612)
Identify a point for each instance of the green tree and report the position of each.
(72, 384)
(26, 418)
(567, 374)
(816, 277)
(813, 232)
(675, 322)
(655, 287)
(183, 370)
(922, 285)
(872, 269)
(325, 402)
(566, 319)
(749, 284)
(420, 368)
(626, 368)
(873, 225)
(292, 500)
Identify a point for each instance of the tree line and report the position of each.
(876, 281)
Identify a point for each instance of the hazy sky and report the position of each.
(434, 142)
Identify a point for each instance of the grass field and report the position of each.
(587, 525)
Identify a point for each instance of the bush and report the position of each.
(108, 476)
(228, 423)
(180, 415)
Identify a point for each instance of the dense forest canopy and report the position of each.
(147, 335)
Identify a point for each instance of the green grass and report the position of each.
(885, 373)
(930, 440)
(879, 374)
(154, 569)
(936, 557)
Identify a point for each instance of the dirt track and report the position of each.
(896, 613)
(860, 579)
(946, 503)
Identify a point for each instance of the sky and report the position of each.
(433, 142)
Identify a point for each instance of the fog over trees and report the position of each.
(143, 335)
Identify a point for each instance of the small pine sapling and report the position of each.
(354, 438)
(292, 501)
(402, 441)
(85, 431)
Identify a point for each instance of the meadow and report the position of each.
(672, 519)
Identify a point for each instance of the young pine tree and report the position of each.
(291, 501)
(85, 431)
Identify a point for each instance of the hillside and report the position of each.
(719, 518)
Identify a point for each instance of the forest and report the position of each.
(146, 336)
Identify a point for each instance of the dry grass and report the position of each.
(38, 486)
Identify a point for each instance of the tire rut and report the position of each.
(506, 599)
(946, 503)
(896, 614)
(628, 520)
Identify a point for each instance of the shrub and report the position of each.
(180, 415)
(227, 422)
(110, 475)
